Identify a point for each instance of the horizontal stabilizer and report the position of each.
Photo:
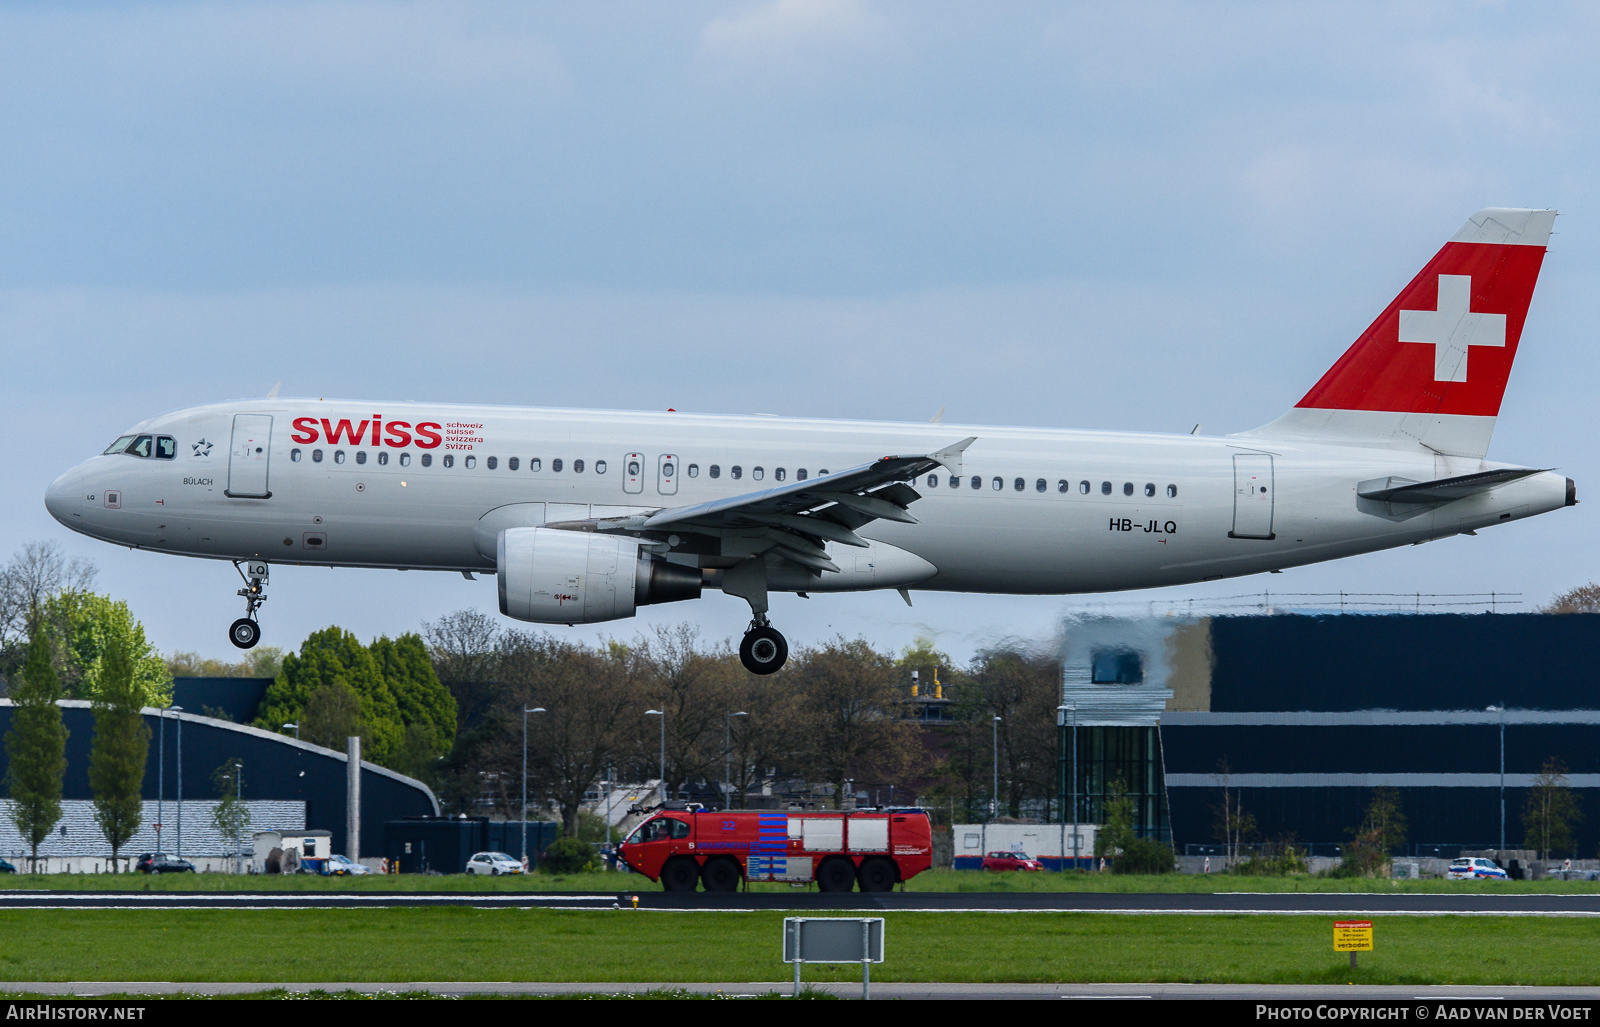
(1441, 490)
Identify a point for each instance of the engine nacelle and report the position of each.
(551, 576)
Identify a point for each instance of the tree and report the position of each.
(851, 722)
(119, 750)
(1551, 811)
(264, 661)
(36, 746)
(231, 817)
(1382, 830)
(36, 572)
(328, 657)
(1231, 825)
(423, 702)
(697, 689)
(332, 716)
(1023, 690)
(1117, 833)
(85, 625)
(1583, 599)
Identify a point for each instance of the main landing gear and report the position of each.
(764, 649)
(245, 632)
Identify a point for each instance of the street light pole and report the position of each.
(179, 711)
(161, 775)
(525, 712)
(727, 758)
(662, 714)
(994, 793)
(296, 727)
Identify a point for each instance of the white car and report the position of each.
(345, 865)
(1475, 868)
(493, 863)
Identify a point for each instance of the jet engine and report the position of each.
(551, 576)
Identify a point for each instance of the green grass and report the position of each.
(450, 944)
(929, 881)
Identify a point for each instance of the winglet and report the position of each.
(950, 456)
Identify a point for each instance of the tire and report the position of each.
(494, 871)
(876, 875)
(244, 633)
(720, 875)
(679, 874)
(763, 650)
(836, 875)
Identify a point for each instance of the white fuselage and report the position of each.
(1115, 511)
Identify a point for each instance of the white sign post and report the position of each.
(834, 939)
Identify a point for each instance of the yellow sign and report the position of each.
(1352, 936)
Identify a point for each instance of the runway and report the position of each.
(1208, 903)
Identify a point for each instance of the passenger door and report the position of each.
(247, 457)
(1253, 490)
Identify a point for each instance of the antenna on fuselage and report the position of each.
(272, 393)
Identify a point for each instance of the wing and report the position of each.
(798, 519)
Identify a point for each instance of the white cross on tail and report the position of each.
(1452, 328)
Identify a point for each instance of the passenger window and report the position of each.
(577, 467)
(534, 464)
(1127, 488)
(1018, 485)
(823, 473)
(1083, 488)
(449, 459)
(470, 462)
(294, 456)
(778, 474)
(757, 473)
(693, 470)
(933, 481)
(633, 468)
(405, 459)
(512, 463)
(338, 456)
(1062, 486)
(166, 447)
(361, 456)
(316, 456)
(427, 459)
(800, 475)
(490, 463)
(977, 482)
(141, 445)
(555, 465)
(955, 481)
(599, 467)
(1039, 485)
(383, 459)
(1172, 492)
(1149, 489)
(715, 470)
(1105, 488)
(735, 472)
(998, 484)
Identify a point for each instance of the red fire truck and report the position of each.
(680, 846)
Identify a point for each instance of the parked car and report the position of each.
(1475, 868)
(342, 865)
(493, 863)
(1005, 860)
(6, 868)
(162, 863)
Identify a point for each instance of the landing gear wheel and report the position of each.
(836, 875)
(763, 650)
(876, 875)
(244, 633)
(720, 875)
(680, 874)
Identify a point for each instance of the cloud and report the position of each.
(786, 31)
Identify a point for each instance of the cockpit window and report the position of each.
(142, 445)
(118, 446)
(166, 447)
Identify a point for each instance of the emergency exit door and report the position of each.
(1253, 496)
(247, 456)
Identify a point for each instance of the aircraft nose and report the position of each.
(64, 495)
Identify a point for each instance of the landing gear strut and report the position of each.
(245, 632)
(764, 648)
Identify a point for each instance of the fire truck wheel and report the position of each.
(876, 875)
(835, 875)
(720, 875)
(679, 874)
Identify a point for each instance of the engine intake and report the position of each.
(551, 576)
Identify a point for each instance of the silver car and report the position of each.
(493, 863)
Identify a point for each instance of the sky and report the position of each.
(1127, 216)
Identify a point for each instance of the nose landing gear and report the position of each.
(245, 632)
(763, 649)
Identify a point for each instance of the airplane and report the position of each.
(584, 516)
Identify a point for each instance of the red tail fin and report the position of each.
(1433, 367)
